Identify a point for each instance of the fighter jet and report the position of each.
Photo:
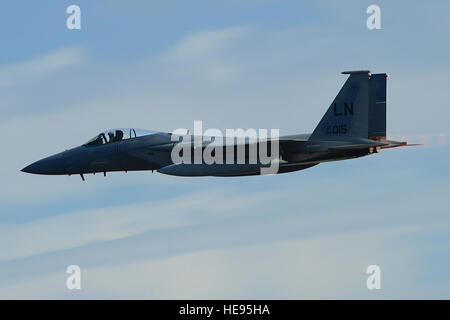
(353, 126)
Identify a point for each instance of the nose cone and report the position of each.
(55, 164)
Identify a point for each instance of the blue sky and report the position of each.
(260, 64)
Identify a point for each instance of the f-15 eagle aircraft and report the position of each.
(353, 126)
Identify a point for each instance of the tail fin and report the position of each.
(358, 111)
(377, 107)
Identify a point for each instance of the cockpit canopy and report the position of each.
(114, 135)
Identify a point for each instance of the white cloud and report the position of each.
(330, 267)
(207, 44)
(97, 225)
(39, 67)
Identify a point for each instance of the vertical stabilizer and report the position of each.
(358, 111)
(377, 111)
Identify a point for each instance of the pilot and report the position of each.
(119, 135)
(111, 137)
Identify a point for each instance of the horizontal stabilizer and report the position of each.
(357, 146)
(383, 144)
